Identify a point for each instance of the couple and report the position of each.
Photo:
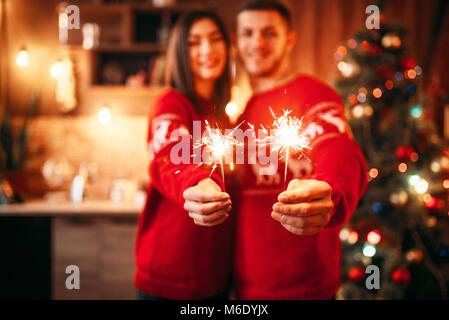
(274, 243)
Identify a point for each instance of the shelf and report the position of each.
(40, 207)
(131, 48)
(112, 90)
(119, 48)
(119, 8)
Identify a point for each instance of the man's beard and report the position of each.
(273, 68)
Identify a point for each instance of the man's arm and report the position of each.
(328, 196)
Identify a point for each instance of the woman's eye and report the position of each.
(193, 43)
(217, 39)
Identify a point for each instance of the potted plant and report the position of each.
(13, 154)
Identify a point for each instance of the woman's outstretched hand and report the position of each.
(206, 204)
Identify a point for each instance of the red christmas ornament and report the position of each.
(407, 63)
(401, 276)
(433, 204)
(356, 274)
(403, 153)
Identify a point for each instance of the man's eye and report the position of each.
(217, 39)
(269, 34)
(193, 43)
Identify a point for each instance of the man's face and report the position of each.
(263, 41)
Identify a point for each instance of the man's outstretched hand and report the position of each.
(206, 204)
(305, 207)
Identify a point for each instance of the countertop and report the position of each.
(39, 207)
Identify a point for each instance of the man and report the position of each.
(287, 244)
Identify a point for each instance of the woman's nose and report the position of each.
(206, 47)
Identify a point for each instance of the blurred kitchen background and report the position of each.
(74, 114)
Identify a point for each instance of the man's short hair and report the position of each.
(268, 5)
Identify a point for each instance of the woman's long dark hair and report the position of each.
(178, 72)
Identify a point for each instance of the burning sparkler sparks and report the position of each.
(287, 134)
(219, 145)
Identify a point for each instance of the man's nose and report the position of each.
(258, 40)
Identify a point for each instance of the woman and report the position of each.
(183, 245)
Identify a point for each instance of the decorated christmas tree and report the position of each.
(401, 223)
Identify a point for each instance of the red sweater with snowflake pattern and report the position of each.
(176, 258)
(270, 262)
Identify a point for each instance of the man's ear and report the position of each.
(292, 36)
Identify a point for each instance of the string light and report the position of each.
(399, 198)
(418, 70)
(402, 167)
(353, 237)
(361, 97)
(446, 184)
(368, 111)
(377, 93)
(340, 53)
(435, 166)
(374, 237)
(416, 112)
(358, 111)
(389, 84)
(352, 43)
(411, 74)
(414, 157)
(353, 99)
(414, 179)
(422, 186)
(344, 234)
(399, 76)
(368, 250)
(373, 173)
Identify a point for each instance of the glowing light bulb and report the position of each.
(104, 115)
(373, 173)
(422, 186)
(402, 167)
(22, 58)
(344, 234)
(56, 69)
(377, 93)
(369, 250)
(374, 237)
(353, 237)
(416, 112)
(231, 109)
(446, 184)
(358, 111)
(414, 179)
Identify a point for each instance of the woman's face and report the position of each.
(207, 50)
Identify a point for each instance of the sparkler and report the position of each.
(287, 134)
(219, 145)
